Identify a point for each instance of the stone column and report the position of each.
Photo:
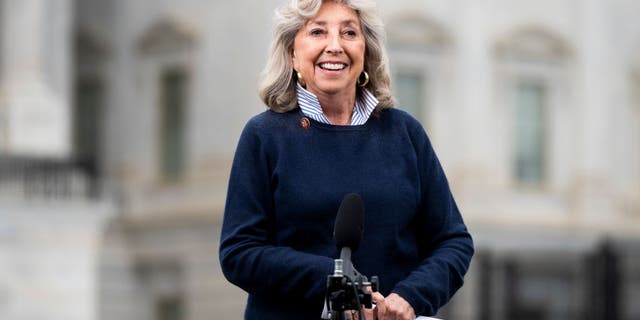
(474, 91)
(593, 182)
(35, 85)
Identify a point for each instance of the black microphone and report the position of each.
(349, 224)
(347, 288)
(348, 230)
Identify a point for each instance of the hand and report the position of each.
(393, 307)
(368, 315)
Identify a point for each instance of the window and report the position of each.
(86, 123)
(90, 92)
(410, 91)
(172, 104)
(534, 109)
(166, 50)
(530, 133)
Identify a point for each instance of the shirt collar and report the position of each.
(311, 108)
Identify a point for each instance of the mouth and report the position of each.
(332, 66)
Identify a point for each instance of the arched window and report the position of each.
(532, 67)
(166, 59)
(418, 49)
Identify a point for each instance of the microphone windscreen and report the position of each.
(349, 224)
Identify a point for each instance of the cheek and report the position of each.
(302, 58)
(359, 64)
(358, 54)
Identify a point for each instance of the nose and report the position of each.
(335, 45)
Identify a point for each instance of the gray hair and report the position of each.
(278, 87)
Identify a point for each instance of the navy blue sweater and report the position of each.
(285, 188)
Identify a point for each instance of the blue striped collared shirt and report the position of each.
(311, 108)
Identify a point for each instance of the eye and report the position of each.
(316, 32)
(351, 33)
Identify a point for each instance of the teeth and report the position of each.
(333, 66)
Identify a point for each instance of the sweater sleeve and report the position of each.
(444, 240)
(248, 255)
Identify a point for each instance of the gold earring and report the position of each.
(300, 79)
(365, 81)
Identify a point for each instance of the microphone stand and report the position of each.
(346, 288)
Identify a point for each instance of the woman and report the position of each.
(331, 131)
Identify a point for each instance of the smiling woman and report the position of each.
(328, 56)
(278, 87)
(331, 131)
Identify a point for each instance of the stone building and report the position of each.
(118, 122)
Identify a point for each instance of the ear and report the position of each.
(294, 60)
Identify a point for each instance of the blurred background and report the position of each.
(119, 119)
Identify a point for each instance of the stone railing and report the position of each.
(47, 179)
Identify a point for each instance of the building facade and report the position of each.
(119, 119)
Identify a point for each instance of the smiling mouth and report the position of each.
(332, 66)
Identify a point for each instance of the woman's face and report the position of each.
(329, 50)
